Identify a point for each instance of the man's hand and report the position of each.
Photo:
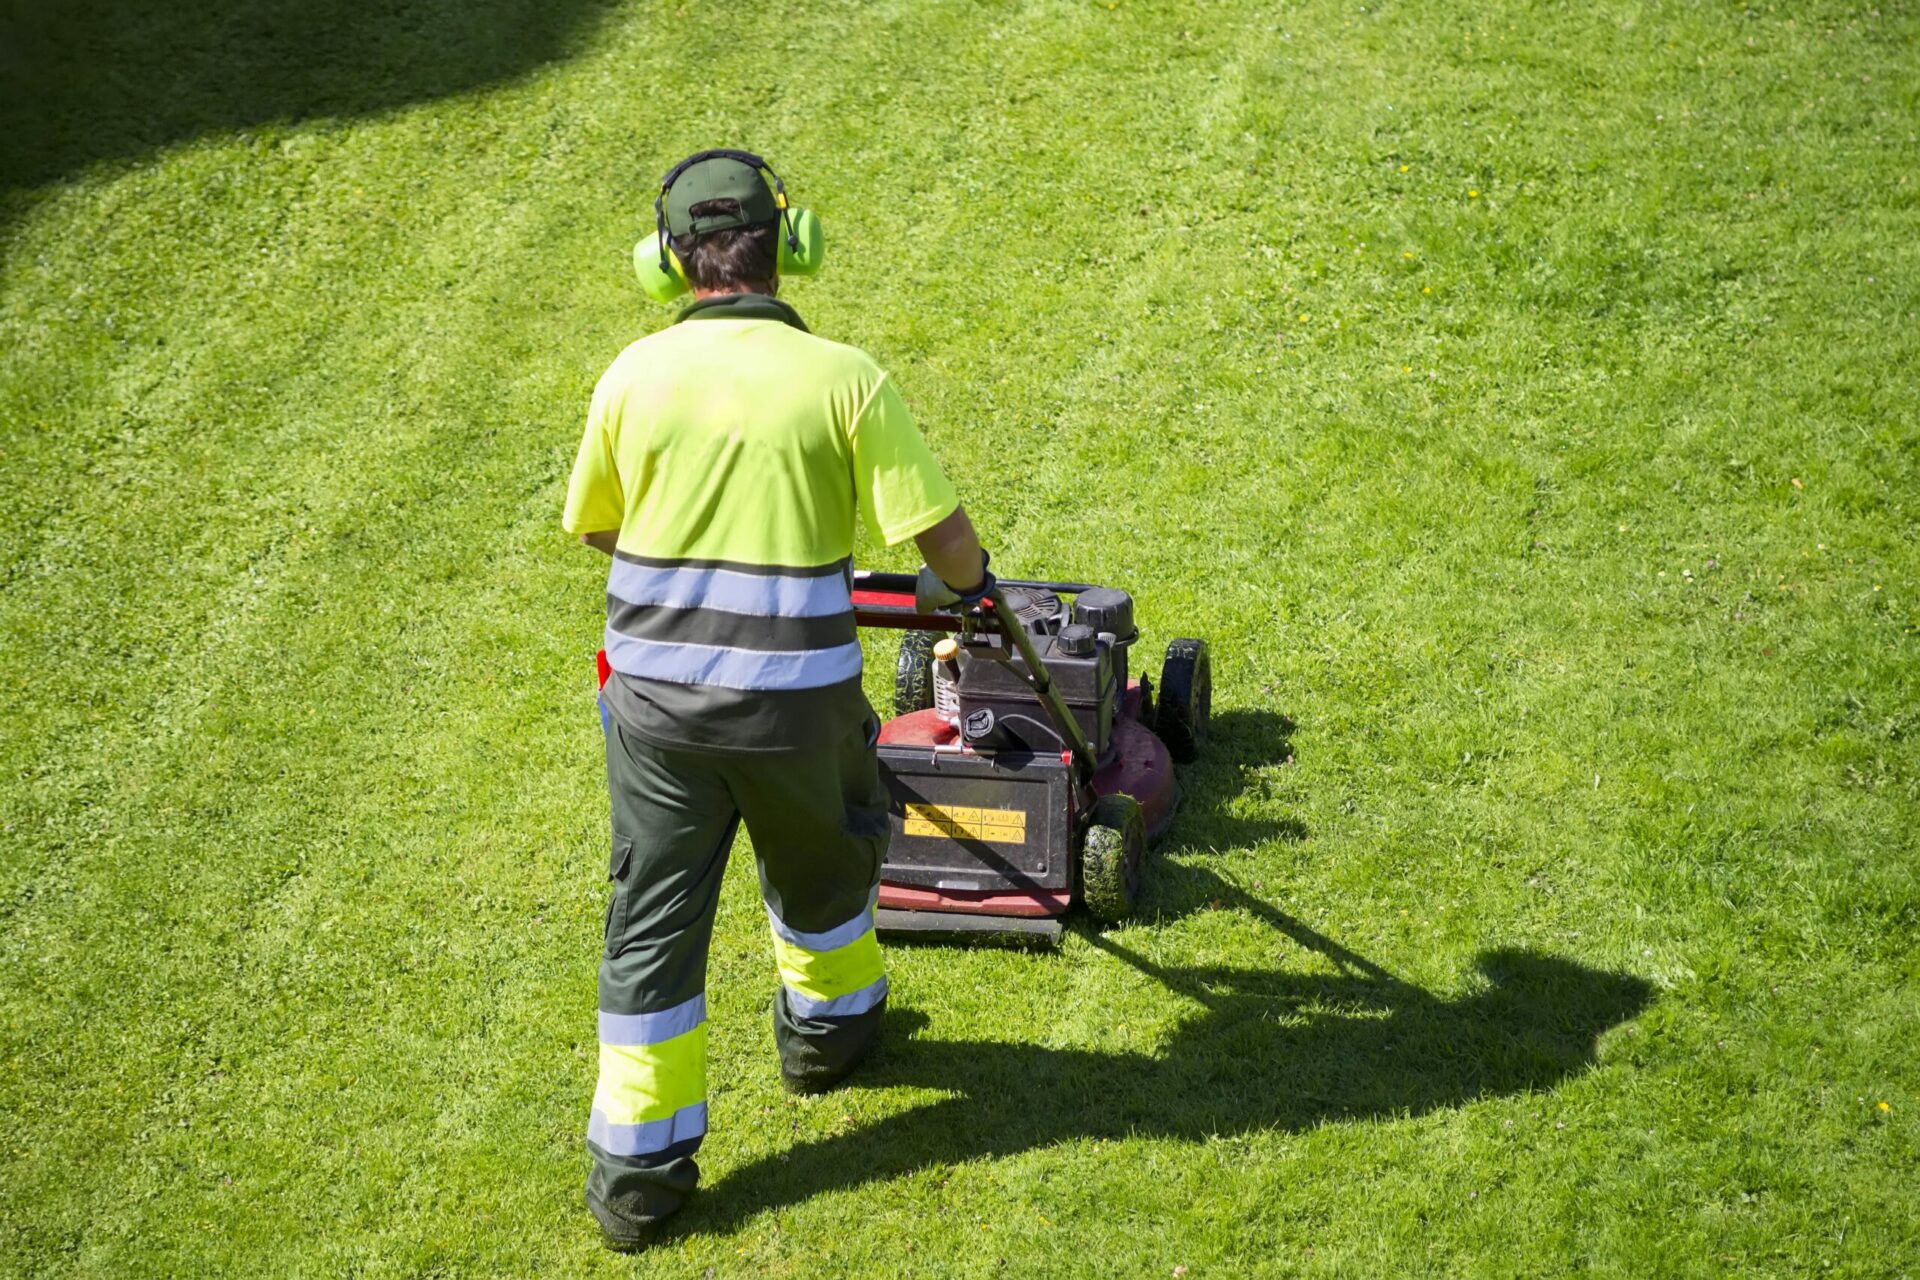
(932, 595)
(602, 541)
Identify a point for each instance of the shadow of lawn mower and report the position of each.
(1026, 770)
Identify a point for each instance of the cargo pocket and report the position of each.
(617, 869)
(863, 818)
(868, 831)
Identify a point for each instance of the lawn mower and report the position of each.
(1026, 769)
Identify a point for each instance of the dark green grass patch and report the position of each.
(1519, 399)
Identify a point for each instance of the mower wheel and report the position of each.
(1186, 699)
(1110, 858)
(913, 672)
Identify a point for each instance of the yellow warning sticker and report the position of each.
(957, 822)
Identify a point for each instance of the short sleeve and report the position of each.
(901, 487)
(594, 500)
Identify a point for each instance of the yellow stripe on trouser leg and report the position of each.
(840, 982)
(650, 1096)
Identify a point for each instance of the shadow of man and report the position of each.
(1269, 1050)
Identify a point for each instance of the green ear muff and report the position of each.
(670, 284)
(661, 286)
(812, 246)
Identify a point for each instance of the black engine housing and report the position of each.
(998, 708)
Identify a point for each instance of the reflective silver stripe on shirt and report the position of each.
(652, 1028)
(840, 1006)
(830, 939)
(762, 595)
(733, 630)
(649, 1136)
(729, 668)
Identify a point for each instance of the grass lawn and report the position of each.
(1520, 398)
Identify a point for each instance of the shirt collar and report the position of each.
(743, 306)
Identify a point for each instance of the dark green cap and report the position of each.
(719, 178)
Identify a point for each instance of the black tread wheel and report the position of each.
(1186, 699)
(913, 672)
(1110, 858)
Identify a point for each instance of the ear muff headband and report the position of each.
(748, 158)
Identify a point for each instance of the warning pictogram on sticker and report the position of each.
(958, 822)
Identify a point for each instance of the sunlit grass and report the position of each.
(1519, 400)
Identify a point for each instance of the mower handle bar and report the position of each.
(874, 580)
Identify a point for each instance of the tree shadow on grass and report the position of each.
(1268, 1049)
(88, 80)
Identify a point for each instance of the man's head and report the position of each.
(734, 260)
(723, 225)
(724, 218)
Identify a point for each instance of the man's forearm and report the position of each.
(602, 540)
(952, 550)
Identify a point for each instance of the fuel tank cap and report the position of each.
(1106, 609)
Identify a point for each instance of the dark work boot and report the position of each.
(634, 1215)
(818, 1053)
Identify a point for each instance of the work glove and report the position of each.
(932, 595)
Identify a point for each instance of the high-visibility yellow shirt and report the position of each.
(733, 452)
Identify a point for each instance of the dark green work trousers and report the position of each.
(818, 823)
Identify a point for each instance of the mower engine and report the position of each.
(1084, 649)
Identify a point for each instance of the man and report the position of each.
(723, 464)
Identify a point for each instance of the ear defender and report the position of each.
(802, 246)
(662, 284)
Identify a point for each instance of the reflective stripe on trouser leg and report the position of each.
(652, 1094)
(832, 973)
(673, 823)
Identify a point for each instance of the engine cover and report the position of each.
(1000, 711)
